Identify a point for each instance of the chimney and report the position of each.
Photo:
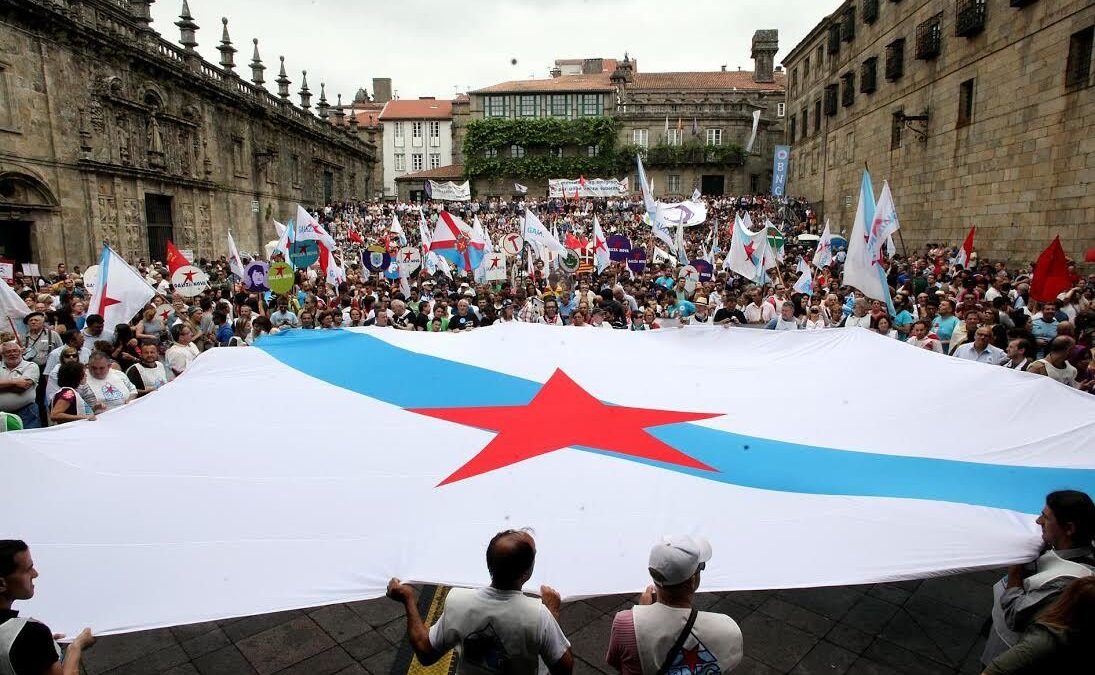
(593, 66)
(556, 72)
(765, 46)
(724, 67)
(382, 89)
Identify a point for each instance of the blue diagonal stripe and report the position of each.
(379, 370)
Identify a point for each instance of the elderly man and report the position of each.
(464, 318)
(109, 387)
(402, 318)
(1055, 364)
(981, 349)
(498, 628)
(18, 384)
(665, 633)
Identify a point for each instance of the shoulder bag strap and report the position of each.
(679, 643)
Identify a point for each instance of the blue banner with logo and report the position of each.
(779, 169)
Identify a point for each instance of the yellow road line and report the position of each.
(447, 664)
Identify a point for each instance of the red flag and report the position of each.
(965, 254)
(175, 258)
(1090, 255)
(573, 242)
(1050, 273)
(355, 236)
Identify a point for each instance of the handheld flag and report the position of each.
(534, 232)
(823, 255)
(175, 259)
(122, 292)
(805, 283)
(398, 229)
(600, 246)
(861, 266)
(285, 237)
(457, 243)
(965, 254)
(235, 264)
(308, 229)
(520, 189)
(750, 253)
(883, 225)
(1050, 277)
(12, 306)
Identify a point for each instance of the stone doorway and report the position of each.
(713, 185)
(157, 210)
(15, 240)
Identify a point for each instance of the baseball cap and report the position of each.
(675, 559)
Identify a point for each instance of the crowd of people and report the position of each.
(1043, 612)
(63, 364)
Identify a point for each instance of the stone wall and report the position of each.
(105, 113)
(1020, 170)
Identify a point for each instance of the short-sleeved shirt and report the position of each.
(34, 651)
(457, 322)
(11, 401)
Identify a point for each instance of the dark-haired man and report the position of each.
(27, 647)
(149, 374)
(496, 629)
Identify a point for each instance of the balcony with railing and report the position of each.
(929, 38)
(969, 17)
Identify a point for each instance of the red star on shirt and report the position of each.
(691, 658)
(562, 415)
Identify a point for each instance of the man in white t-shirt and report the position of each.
(496, 629)
(184, 351)
(109, 387)
(148, 374)
(664, 629)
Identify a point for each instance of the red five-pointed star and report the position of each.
(107, 302)
(189, 276)
(749, 248)
(561, 415)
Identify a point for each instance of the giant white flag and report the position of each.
(237, 521)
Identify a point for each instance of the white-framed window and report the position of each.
(435, 133)
(490, 153)
(416, 133)
(435, 160)
(675, 137)
(593, 150)
(496, 106)
(557, 153)
(714, 136)
(400, 162)
(592, 105)
(673, 183)
(527, 106)
(516, 151)
(559, 106)
(397, 129)
(640, 137)
(416, 161)
(781, 109)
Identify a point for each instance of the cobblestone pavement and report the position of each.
(929, 627)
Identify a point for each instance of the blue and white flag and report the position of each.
(482, 454)
(805, 283)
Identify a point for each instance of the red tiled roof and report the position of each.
(417, 109)
(565, 83)
(449, 172)
(366, 118)
(718, 79)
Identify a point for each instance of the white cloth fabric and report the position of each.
(256, 509)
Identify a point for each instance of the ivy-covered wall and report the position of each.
(538, 137)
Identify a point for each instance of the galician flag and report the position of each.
(534, 232)
(861, 265)
(750, 254)
(285, 237)
(805, 283)
(519, 411)
(122, 291)
(965, 254)
(600, 247)
(488, 248)
(398, 229)
(457, 243)
(657, 223)
(308, 229)
(430, 260)
(12, 307)
(235, 264)
(823, 255)
(883, 225)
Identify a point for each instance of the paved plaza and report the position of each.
(929, 627)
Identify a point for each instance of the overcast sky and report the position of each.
(434, 48)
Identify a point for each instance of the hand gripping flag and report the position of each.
(122, 292)
(457, 243)
(175, 259)
(600, 247)
(965, 254)
(485, 455)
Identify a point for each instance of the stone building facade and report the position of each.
(683, 109)
(978, 113)
(108, 132)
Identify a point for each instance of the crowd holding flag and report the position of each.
(823, 254)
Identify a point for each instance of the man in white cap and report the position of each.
(664, 634)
